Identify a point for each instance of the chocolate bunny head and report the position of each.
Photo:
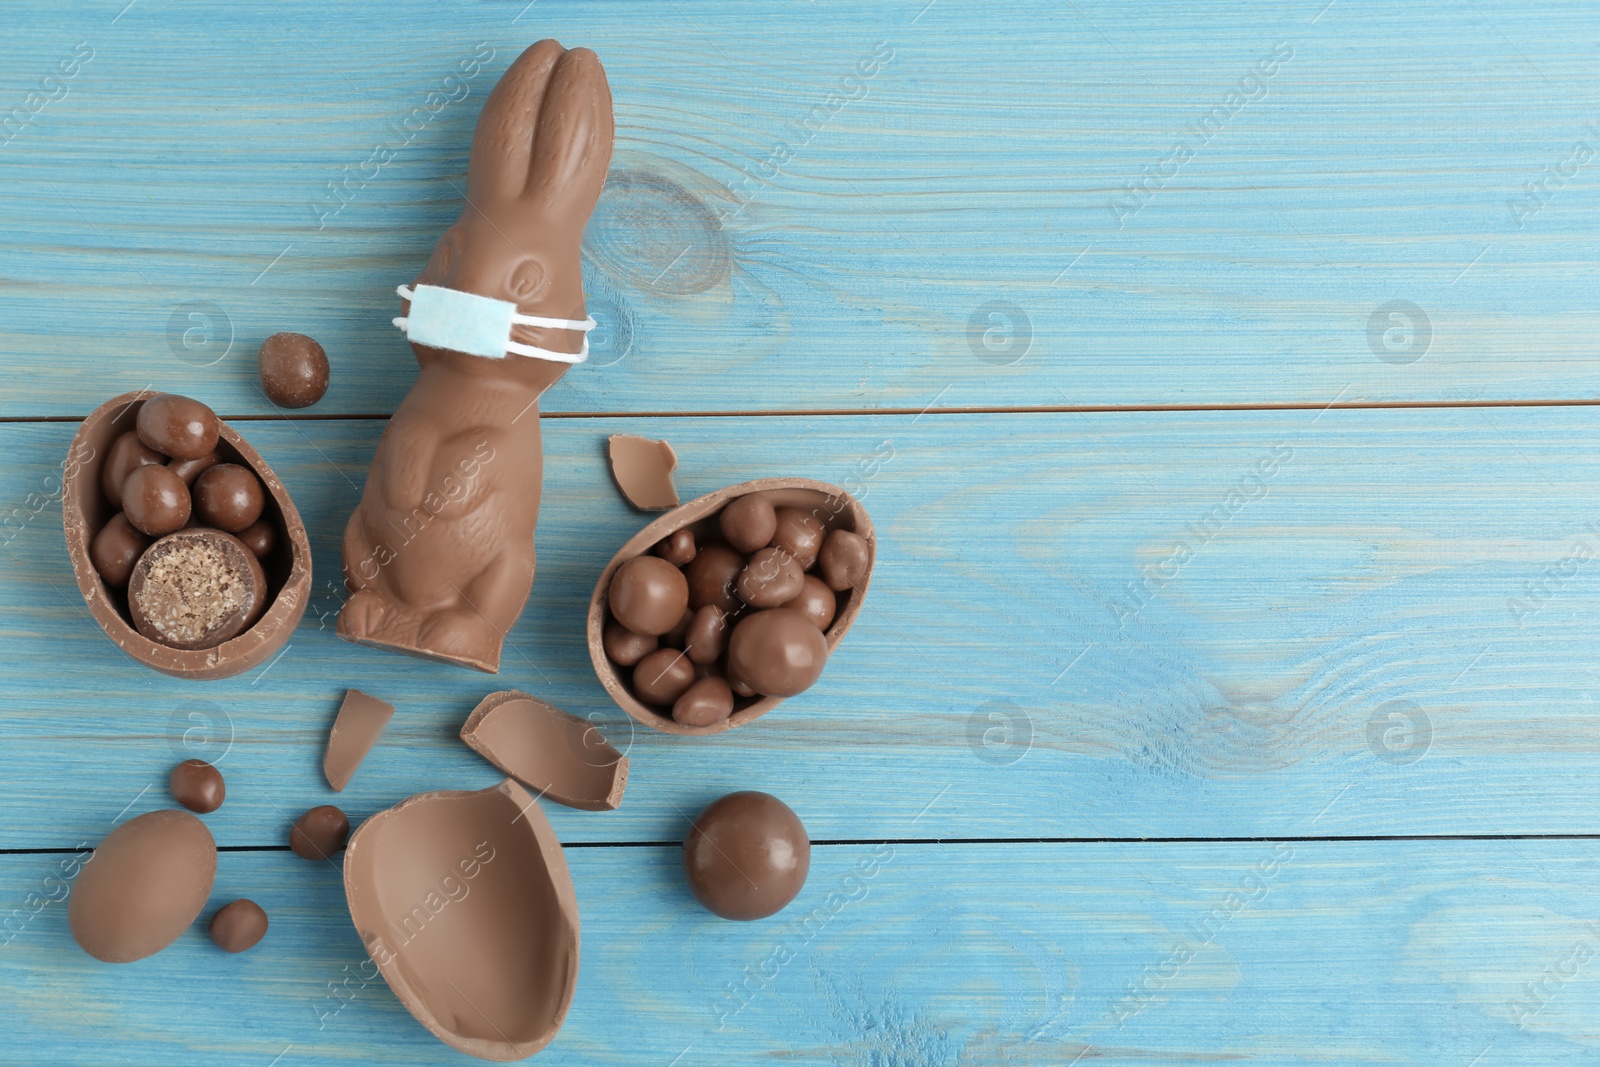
(539, 159)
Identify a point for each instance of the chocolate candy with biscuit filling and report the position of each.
(320, 833)
(177, 426)
(198, 786)
(196, 589)
(772, 577)
(749, 522)
(662, 677)
(815, 601)
(746, 856)
(115, 549)
(776, 652)
(648, 595)
(711, 578)
(800, 534)
(228, 497)
(626, 647)
(155, 500)
(125, 454)
(294, 370)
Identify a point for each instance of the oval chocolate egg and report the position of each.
(831, 507)
(143, 886)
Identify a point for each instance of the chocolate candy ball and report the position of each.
(740, 687)
(239, 925)
(707, 635)
(197, 785)
(155, 500)
(705, 703)
(624, 647)
(177, 426)
(259, 537)
(749, 522)
(320, 833)
(115, 549)
(772, 577)
(648, 595)
(662, 677)
(196, 589)
(190, 469)
(711, 577)
(815, 601)
(746, 856)
(800, 534)
(677, 548)
(294, 370)
(229, 497)
(844, 560)
(126, 453)
(777, 652)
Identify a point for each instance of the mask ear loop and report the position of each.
(517, 319)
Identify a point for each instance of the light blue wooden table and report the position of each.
(1227, 691)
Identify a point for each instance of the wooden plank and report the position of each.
(1280, 953)
(1099, 626)
(785, 232)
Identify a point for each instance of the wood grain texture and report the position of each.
(785, 231)
(982, 955)
(1396, 616)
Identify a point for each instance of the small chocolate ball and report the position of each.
(190, 469)
(648, 595)
(777, 652)
(746, 856)
(844, 560)
(177, 426)
(197, 785)
(115, 549)
(155, 500)
(772, 577)
(800, 534)
(749, 522)
(126, 453)
(239, 925)
(711, 577)
(294, 370)
(705, 703)
(707, 635)
(740, 687)
(662, 677)
(677, 548)
(229, 497)
(259, 537)
(624, 647)
(815, 601)
(320, 833)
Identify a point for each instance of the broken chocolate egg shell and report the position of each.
(465, 903)
(837, 510)
(84, 510)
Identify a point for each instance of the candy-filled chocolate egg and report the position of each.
(143, 886)
(649, 595)
(746, 856)
(777, 652)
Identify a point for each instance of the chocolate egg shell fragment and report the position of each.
(465, 903)
(711, 575)
(746, 856)
(85, 510)
(643, 471)
(177, 426)
(238, 926)
(649, 595)
(197, 785)
(555, 754)
(143, 886)
(320, 833)
(360, 721)
(196, 589)
(294, 370)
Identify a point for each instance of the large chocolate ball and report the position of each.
(177, 426)
(749, 522)
(778, 652)
(746, 856)
(648, 595)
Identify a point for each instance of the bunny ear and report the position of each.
(503, 141)
(572, 144)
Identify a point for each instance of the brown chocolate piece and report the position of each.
(196, 589)
(663, 676)
(259, 537)
(799, 534)
(677, 548)
(749, 522)
(555, 754)
(197, 785)
(771, 577)
(777, 652)
(707, 635)
(746, 856)
(238, 925)
(228, 497)
(115, 549)
(177, 426)
(465, 903)
(143, 886)
(294, 370)
(845, 560)
(84, 511)
(127, 452)
(648, 595)
(712, 576)
(155, 501)
(188, 470)
(444, 572)
(705, 703)
(320, 833)
(626, 647)
(643, 471)
(678, 636)
(355, 730)
(815, 601)
(741, 688)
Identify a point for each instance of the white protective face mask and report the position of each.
(479, 325)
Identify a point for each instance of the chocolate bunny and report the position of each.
(439, 553)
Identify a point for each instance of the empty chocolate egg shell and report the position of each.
(835, 508)
(464, 901)
(85, 509)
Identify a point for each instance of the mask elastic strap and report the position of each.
(518, 319)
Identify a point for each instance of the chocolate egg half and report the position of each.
(143, 886)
